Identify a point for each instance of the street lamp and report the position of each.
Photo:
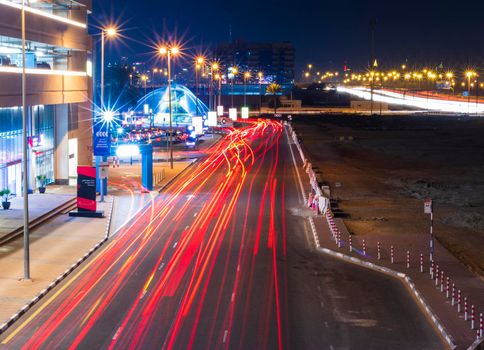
(234, 72)
(246, 76)
(260, 75)
(218, 77)
(198, 66)
(109, 32)
(25, 181)
(213, 68)
(170, 51)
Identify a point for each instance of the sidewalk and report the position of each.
(39, 205)
(470, 285)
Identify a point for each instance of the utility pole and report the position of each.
(372, 59)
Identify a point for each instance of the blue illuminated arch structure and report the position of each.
(184, 105)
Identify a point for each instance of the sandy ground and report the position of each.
(381, 168)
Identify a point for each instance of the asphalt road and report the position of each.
(224, 260)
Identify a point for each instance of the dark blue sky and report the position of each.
(325, 33)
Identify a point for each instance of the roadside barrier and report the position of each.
(408, 259)
(392, 254)
(364, 247)
(378, 248)
(421, 263)
(350, 243)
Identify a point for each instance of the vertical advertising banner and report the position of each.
(245, 112)
(101, 139)
(233, 114)
(86, 188)
(212, 119)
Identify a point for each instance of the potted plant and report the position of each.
(42, 179)
(6, 196)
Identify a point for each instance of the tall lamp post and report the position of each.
(246, 76)
(213, 68)
(469, 75)
(25, 181)
(110, 33)
(235, 71)
(218, 77)
(198, 66)
(169, 52)
(260, 75)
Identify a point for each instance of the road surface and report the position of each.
(224, 260)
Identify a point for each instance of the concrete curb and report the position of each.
(5, 326)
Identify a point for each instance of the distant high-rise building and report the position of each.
(275, 60)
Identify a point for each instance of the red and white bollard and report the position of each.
(408, 259)
(421, 262)
(432, 269)
(453, 294)
(478, 334)
(465, 309)
(447, 287)
(473, 316)
(459, 296)
(350, 243)
(378, 248)
(364, 247)
(442, 281)
(310, 199)
(392, 254)
(481, 325)
(437, 275)
(339, 239)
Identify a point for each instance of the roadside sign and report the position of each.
(428, 206)
(86, 188)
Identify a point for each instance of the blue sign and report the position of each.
(101, 138)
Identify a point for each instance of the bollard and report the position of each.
(465, 309)
(339, 239)
(364, 247)
(378, 249)
(459, 295)
(481, 325)
(437, 275)
(408, 259)
(432, 268)
(473, 316)
(447, 287)
(391, 254)
(421, 263)
(350, 243)
(478, 334)
(441, 281)
(453, 294)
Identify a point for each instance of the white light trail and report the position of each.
(430, 103)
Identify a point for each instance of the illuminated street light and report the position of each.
(246, 76)
(260, 75)
(169, 51)
(199, 61)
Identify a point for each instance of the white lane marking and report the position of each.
(301, 187)
(117, 333)
(161, 266)
(195, 214)
(174, 245)
(186, 228)
(331, 347)
(226, 333)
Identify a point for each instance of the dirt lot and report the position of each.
(385, 166)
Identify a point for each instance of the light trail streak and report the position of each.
(416, 101)
(177, 262)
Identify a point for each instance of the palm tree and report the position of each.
(274, 89)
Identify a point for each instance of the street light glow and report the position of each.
(111, 32)
(163, 50)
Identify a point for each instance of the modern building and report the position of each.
(58, 90)
(275, 60)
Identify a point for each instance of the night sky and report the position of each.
(325, 33)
